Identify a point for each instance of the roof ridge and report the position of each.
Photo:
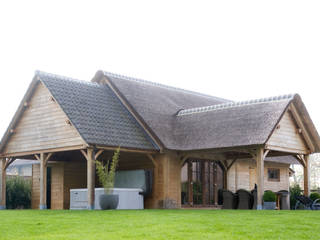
(115, 75)
(51, 75)
(234, 104)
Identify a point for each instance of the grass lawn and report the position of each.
(159, 224)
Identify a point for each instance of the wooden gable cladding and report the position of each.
(42, 126)
(288, 136)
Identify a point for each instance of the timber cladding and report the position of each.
(64, 176)
(167, 182)
(35, 191)
(57, 182)
(75, 176)
(286, 135)
(242, 175)
(43, 125)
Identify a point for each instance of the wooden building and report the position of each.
(195, 144)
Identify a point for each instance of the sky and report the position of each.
(237, 50)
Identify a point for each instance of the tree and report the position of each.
(314, 172)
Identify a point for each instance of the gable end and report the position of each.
(41, 126)
(288, 135)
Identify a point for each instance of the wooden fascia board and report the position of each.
(312, 130)
(207, 156)
(300, 124)
(244, 149)
(17, 116)
(113, 148)
(134, 113)
(51, 150)
(68, 117)
(278, 121)
(287, 150)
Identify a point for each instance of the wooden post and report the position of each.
(260, 176)
(215, 185)
(203, 182)
(190, 184)
(91, 166)
(43, 158)
(225, 179)
(4, 164)
(3, 184)
(306, 176)
(43, 183)
(91, 177)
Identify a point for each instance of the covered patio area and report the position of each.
(67, 125)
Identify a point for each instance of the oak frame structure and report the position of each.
(53, 124)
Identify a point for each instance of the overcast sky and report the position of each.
(237, 50)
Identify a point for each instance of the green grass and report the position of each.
(159, 224)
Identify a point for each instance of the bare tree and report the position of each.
(314, 172)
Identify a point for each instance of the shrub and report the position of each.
(18, 193)
(106, 173)
(295, 191)
(314, 196)
(269, 196)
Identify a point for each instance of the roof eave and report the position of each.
(307, 121)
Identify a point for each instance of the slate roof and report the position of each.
(158, 104)
(97, 113)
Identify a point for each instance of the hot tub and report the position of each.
(129, 198)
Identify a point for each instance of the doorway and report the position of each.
(48, 187)
(200, 183)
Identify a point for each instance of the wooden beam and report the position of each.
(47, 157)
(98, 153)
(90, 157)
(300, 124)
(37, 156)
(244, 149)
(285, 149)
(265, 153)
(84, 153)
(183, 159)
(44, 158)
(300, 159)
(306, 176)
(203, 182)
(123, 149)
(4, 164)
(215, 183)
(230, 165)
(53, 150)
(252, 152)
(260, 176)
(190, 184)
(3, 184)
(225, 179)
(153, 160)
(225, 165)
(206, 156)
(8, 161)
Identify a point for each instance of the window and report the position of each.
(274, 174)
